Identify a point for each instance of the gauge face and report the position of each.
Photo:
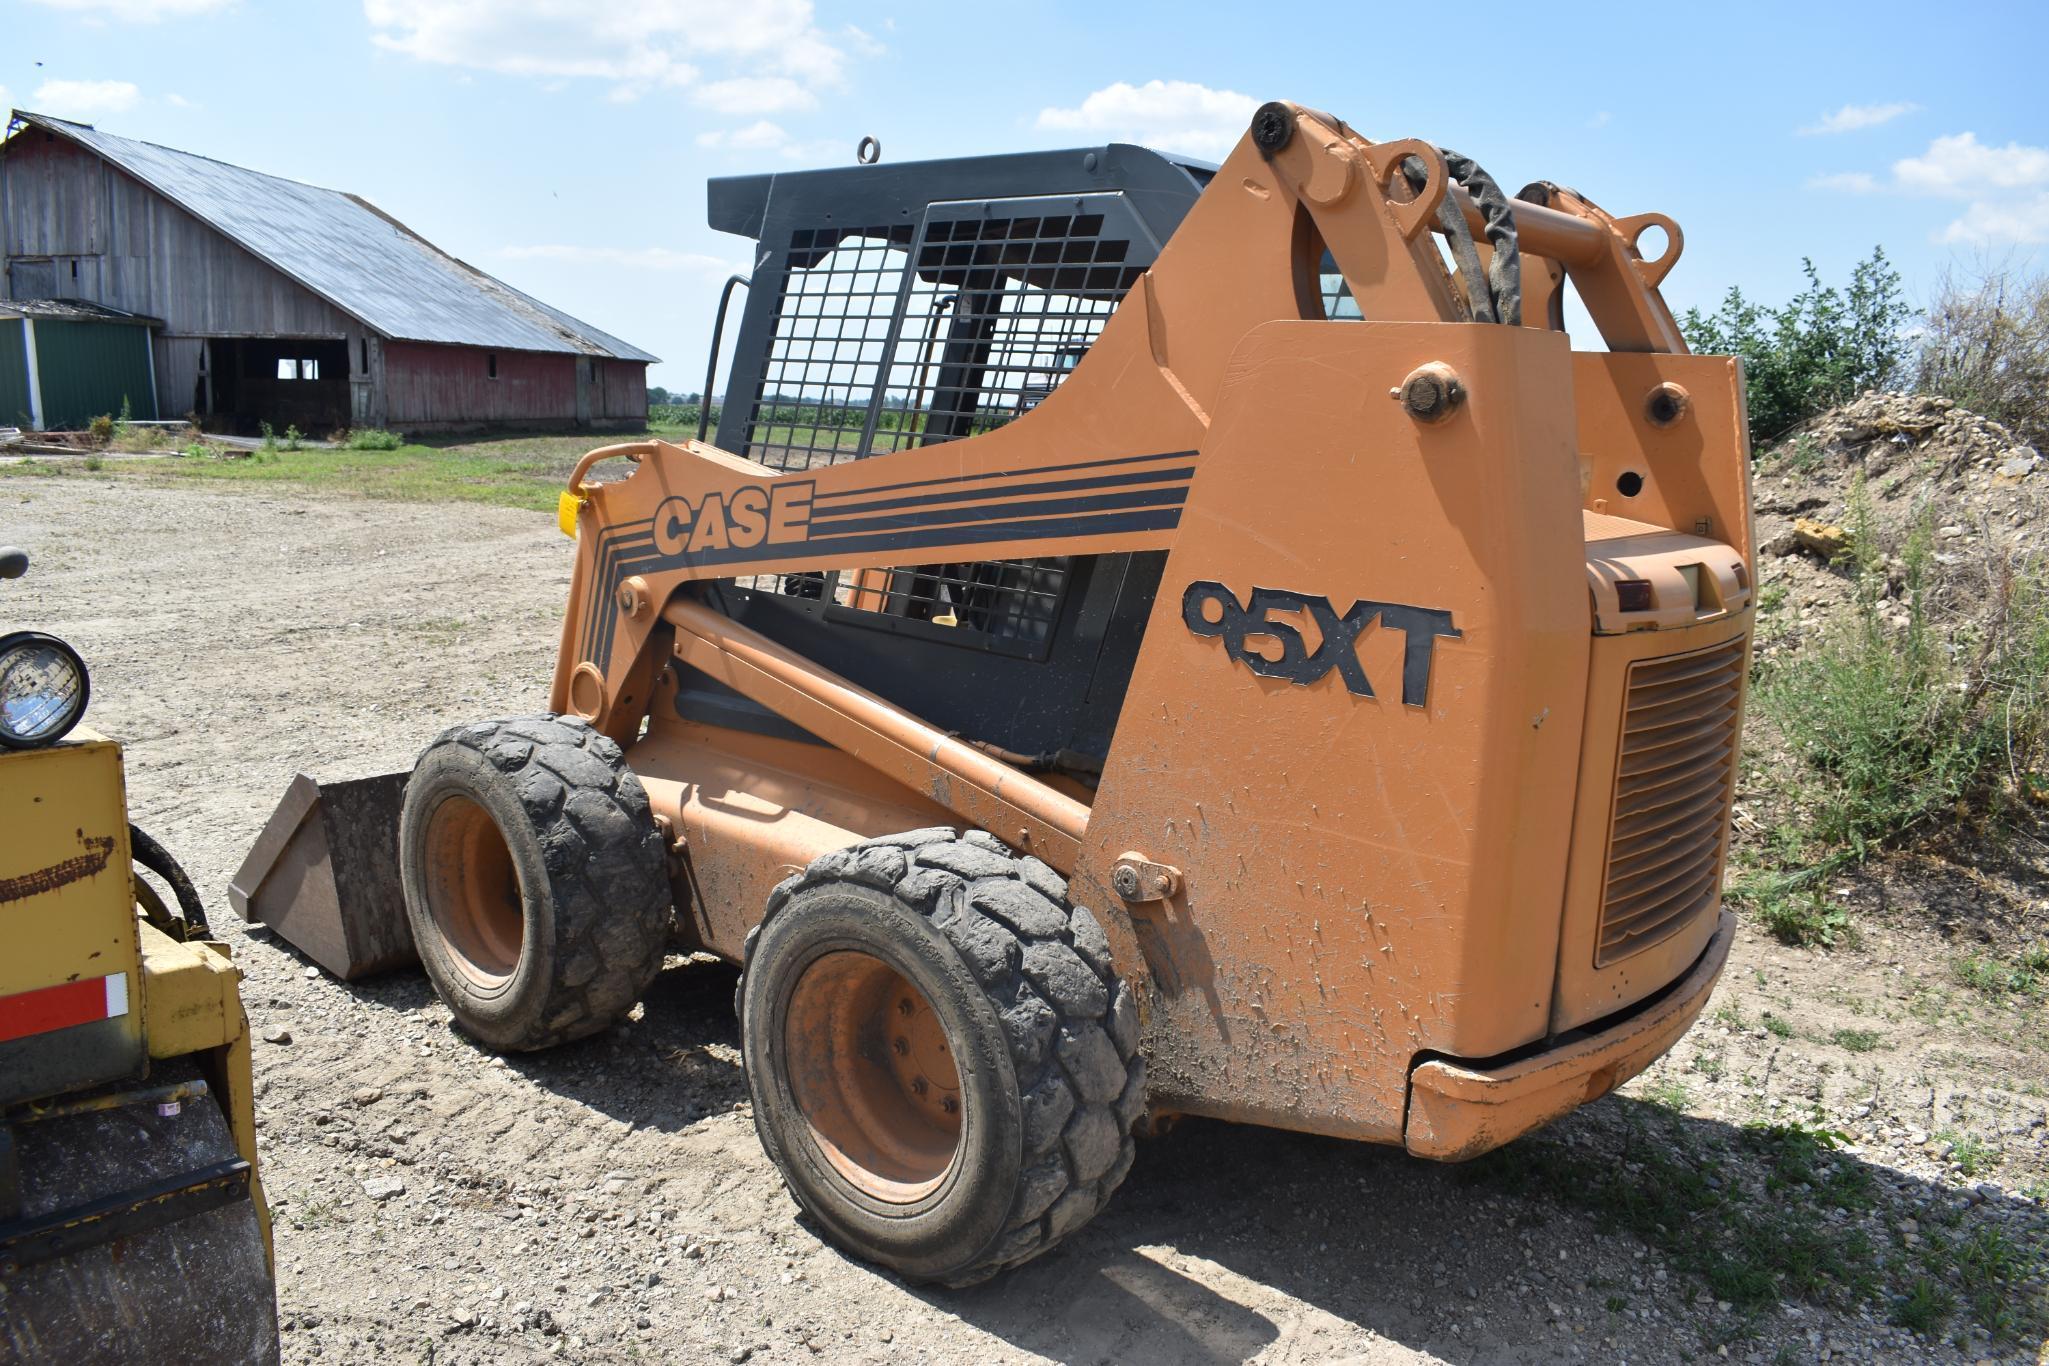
(43, 689)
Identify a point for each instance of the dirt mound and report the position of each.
(1864, 482)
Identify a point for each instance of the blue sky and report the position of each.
(564, 145)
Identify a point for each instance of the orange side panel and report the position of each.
(1364, 877)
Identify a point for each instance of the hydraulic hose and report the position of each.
(1496, 294)
(158, 860)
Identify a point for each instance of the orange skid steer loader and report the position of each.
(1149, 638)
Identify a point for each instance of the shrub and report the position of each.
(100, 429)
(1796, 914)
(1986, 345)
(293, 436)
(1821, 348)
(1889, 725)
(269, 439)
(373, 439)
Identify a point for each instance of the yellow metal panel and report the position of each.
(67, 908)
(189, 996)
(67, 921)
(192, 1004)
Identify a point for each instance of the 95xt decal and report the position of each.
(1210, 609)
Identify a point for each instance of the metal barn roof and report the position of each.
(346, 250)
(73, 311)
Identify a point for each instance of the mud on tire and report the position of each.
(536, 883)
(1044, 1036)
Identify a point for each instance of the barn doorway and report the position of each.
(298, 382)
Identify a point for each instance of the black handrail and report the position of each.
(711, 366)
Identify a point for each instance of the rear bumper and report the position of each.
(1458, 1112)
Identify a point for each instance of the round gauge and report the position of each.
(43, 689)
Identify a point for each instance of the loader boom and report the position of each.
(1105, 463)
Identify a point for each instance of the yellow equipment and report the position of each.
(132, 1222)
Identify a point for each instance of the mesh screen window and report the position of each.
(870, 356)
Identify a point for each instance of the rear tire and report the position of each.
(943, 1065)
(536, 883)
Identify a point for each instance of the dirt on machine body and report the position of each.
(1147, 639)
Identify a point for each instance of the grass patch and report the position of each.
(1793, 911)
(1972, 1154)
(1759, 1219)
(1668, 1091)
(2025, 974)
(1777, 1026)
(1900, 727)
(507, 471)
(1887, 736)
(1856, 1040)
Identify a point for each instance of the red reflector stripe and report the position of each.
(60, 1007)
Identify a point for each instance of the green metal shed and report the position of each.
(63, 363)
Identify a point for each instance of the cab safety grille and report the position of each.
(1673, 787)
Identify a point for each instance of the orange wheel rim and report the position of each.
(871, 1073)
(473, 892)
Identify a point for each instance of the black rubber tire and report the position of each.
(592, 877)
(1044, 1036)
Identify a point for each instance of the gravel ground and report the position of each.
(609, 1201)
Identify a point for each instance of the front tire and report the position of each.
(536, 883)
(943, 1065)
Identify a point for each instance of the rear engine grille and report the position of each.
(1672, 794)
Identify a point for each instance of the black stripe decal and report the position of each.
(990, 512)
(615, 564)
(1003, 474)
(1150, 519)
(605, 577)
(968, 495)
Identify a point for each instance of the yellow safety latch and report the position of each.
(567, 505)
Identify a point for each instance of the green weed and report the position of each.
(1925, 1307)
(2023, 975)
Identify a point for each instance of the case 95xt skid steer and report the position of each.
(1148, 637)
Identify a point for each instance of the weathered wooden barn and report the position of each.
(286, 303)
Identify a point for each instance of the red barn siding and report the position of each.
(431, 384)
(624, 392)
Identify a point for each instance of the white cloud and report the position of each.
(754, 95)
(2006, 189)
(1600, 120)
(766, 136)
(1179, 116)
(85, 99)
(630, 258)
(1853, 117)
(1960, 166)
(649, 44)
(755, 136)
(2023, 221)
(137, 11)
